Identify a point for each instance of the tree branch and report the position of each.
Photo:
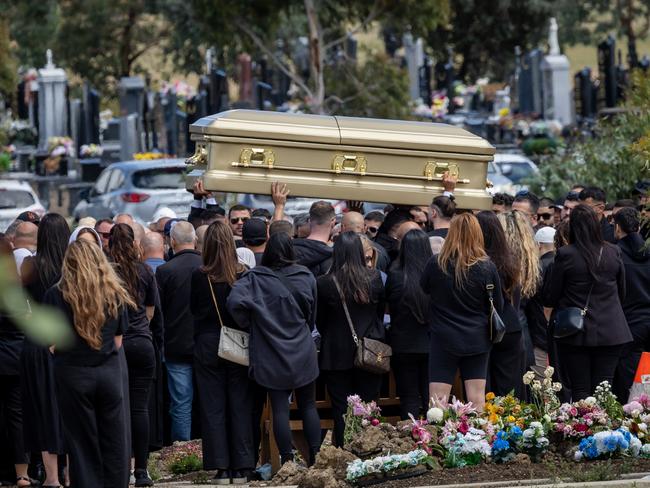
(141, 51)
(374, 13)
(260, 44)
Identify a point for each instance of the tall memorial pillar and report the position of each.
(556, 81)
(52, 109)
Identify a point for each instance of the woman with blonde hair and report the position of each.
(94, 301)
(457, 282)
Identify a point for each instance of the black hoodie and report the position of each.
(315, 255)
(636, 259)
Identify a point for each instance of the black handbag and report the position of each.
(371, 355)
(570, 321)
(495, 324)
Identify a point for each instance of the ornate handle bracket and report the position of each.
(434, 171)
(200, 156)
(256, 156)
(350, 163)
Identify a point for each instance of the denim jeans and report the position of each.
(181, 394)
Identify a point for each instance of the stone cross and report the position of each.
(49, 64)
(553, 44)
(208, 60)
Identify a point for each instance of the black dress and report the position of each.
(42, 429)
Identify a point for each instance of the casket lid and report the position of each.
(348, 131)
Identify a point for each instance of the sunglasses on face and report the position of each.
(369, 259)
(105, 235)
(544, 216)
(373, 230)
(237, 220)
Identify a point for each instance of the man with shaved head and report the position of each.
(354, 222)
(124, 218)
(174, 280)
(152, 247)
(24, 242)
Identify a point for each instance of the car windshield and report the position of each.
(160, 178)
(15, 198)
(518, 171)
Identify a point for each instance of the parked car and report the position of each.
(17, 197)
(138, 188)
(516, 167)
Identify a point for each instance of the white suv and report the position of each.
(17, 197)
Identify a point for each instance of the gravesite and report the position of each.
(324, 244)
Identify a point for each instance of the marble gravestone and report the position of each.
(52, 102)
(414, 59)
(557, 98)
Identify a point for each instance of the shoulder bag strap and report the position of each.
(214, 299)
(300, 300)
(355, 338)
(591, 288)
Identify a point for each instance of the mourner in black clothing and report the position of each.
(11, 345)
(87, 373)
(42, 431)
(590, 356)
(387, 233)
(225, 392)
(409, 324)
(443, 208)
(314, 251)
(595, 198)
(636, 305)
(507, 357)
(139, 341)
(277, 302)
(363, 290)
(456, 282)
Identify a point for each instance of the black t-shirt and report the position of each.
(147, 293)
(439, 233)
(79, 353)
(258, 258)
(11, 345)
(206, 319)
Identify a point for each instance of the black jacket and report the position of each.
(174, 283)
(282, 352)
(537, 323)
(337, 346)
(390, 245)
(315, 255)
(459, 315)
(607, 230)
(568, 286)
(636, 259)
(406, 335)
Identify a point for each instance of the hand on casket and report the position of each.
(199, 191)
(449, 181)
(354, 206)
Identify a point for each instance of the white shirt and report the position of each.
(20, 255)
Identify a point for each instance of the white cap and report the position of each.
(545, 235)
(163, 212)
(246, 256)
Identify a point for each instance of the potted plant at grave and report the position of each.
(58, 148)
(90, 151)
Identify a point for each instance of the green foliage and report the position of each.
(7, 61)
(33, 28)
(186, 464)
(377, 88)
(539, 145)
(615, 159)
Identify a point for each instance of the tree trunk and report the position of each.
(125, 45)
(316, 51)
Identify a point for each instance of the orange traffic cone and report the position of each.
(642, 378)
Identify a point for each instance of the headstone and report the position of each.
(557, 81)
(530, 83)
(218, 92)
(112, 131)
(182, 131)
(171, 126)
(621, 78)
(90, 115)
(76, 123)
(129, 136)
(414, 59)
(425, 81)
(21, 95)
(245, 68)
(263, 95)
(52, 103)
(131, 91)
(351, 45)
(391, 42)
(584, 94)
(607, 72)
(444, 73)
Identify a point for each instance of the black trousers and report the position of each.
(306, 400)
(11, 406)
(507, 366)
(343, 383)
(226, 403)
(629, 360)
(587, 367)
(91, 401)
(259, 400)
(412, 381)
(141, 362)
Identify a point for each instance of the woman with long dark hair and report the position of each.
(277, 302)
(410, 318)
(456, 281)
(589, 274)
(363, 291)
(42, 427)
(225, 392)
(87, 373)
(507, 359)
(139, 339)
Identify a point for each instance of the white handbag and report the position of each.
(233, 343)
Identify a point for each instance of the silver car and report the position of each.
(138, 188)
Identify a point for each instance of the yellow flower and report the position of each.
(490, 396)
(493, 418)
(500, 410)
(516, 409)
(511, 419)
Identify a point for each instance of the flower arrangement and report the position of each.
(147, 156)
(181, 458)
(609, 443)
(382, 465)
(359, 415)
(637, 417)
(506, 444)
(466, 449)
(534, 441)
(580, 419)
(502, 411)
(91, 151)
(608, 401)
(544, 392)
(60, 147)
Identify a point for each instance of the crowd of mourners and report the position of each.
(147, 305)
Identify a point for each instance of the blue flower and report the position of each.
(611, 443)
(500, 445)
(516, 431)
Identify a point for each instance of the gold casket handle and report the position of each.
(435, 170)
(350, 163)
(257, 156)
(200, 156)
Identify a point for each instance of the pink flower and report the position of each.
(374, 422)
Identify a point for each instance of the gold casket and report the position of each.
(341, 158)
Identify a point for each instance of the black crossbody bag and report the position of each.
(495, 324)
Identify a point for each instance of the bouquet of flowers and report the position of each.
(506, 410)
(60, 147)
(608, 401)
(544, 392)
(91, 150)
(466, 449)
(147, 156)
(382, 465)
(534, 441)
(506, 444)
(581, 419)
(637, 417)
(607, 444)
(359, 415)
